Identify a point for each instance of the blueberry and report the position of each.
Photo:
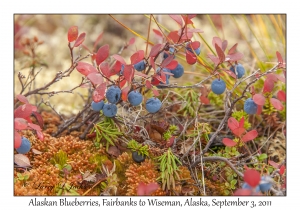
(140, 66)
(153, 105)
(239, 69)
(246, 186)
(97, 106)
(178, 71)
(167, 70)
(135, 98)
(265, 183)
(250, 107)
(25, 146)
(113, 94)
(166, 55)
(171, 50)
(197, 51)
(138, 158)
(110, 110)
(218, 86)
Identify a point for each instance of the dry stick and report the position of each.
(101, 180)
(228, 111)
(76, 127)
(70, 121)
(88, 128)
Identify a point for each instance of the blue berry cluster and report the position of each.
(218, 86)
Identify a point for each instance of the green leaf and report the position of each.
(262, 156)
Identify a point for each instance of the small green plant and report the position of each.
(238, 116)
(170, 132)
(22, 177)
(192, 101)
(106, 130)
(168, 167)
(60, 161)
(139, 148)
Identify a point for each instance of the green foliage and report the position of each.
(135, 146)
(268, 108)
(215, 99)
(98, 160)
(192, 101)
(106, 130)
(168, 167)
(60, 161)
(169, 133)
(238, 116)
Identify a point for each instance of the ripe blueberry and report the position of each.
(239, 69)
(246, 186)
(97, 106)
(178, 71)
(113, 94)
(140, 66)
(250, 107)
(25, 146)
(218, 86)
(153, 105)
(135, 98)
(197, 51)
(110, 110)
(138, 158)
(265, 183)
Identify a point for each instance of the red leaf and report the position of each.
(119, 58)
(155, 92)
(177, 18)
(20, 124)
(137, 57)
(218, 41)
(204, 99)
(17, 140)
(22, 160)
(167, 61)
(79, 40)
(214, 59)
(241, 123)
(40, 135)
(259, 99)
(125, 93)
(228, 142)
(95, 78)
(235, 57)
(190, 58)
(250, 136)
(276, 103)
(279, 57)
(158, 33)
(282, 169)
(187, 19)
(233, 123)
(252, 177)
(268, 85)
(34, 126)
(195, 45)
(173, 36)
(281, 96)
(22, 98)
(154, 50)
(242, 192)
(131, 41)
(172, 65)
(233, 75)
(97, 41)
(170, 141)
(141, 189)
(102, 54)
(232, 50)
(85, 68)
(99, 93)
(152, 63)
(72, 33)
(39, 118)
(272, 163)
(23, 111)
(104, 67)
(220, 53)
(224, 45)
(239, 131)
(116, 68)
(151, 187)
(140, 74)
(259, 109)
(128, 73)
(148, 84)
